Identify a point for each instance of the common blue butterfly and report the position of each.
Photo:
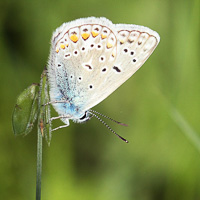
(89, 59)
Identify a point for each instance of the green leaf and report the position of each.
(25, 111)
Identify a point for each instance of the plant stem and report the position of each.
(39, 164)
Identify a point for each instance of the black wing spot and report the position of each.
(104, 70)
(130, 41)
(134, 60)
(125, 50)
(67, 55)
(102, 58)
(117, 69)
(88, 66)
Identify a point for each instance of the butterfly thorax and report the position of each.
(69, 110)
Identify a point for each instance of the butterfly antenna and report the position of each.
(104, 123)
(108, 118)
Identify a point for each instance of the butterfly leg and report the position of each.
(59, 117)
(64, 119)
(56, 101)
(66, 125)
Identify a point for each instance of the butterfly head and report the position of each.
(84, 118)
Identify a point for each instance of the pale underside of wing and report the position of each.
(90, 58)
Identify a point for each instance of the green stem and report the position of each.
(39, 165)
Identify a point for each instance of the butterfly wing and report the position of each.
(134, 44)
(90, 58)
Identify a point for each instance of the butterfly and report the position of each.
(89, 59)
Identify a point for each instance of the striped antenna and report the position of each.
(104, 123)
(108, 118)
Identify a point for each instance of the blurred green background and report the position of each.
(161, 104)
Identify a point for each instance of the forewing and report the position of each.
(134, 45)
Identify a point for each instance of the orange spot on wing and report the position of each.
(62, 46)
(57, 50)
(74, 38)
(109, 45)
(94, 34)
(103, 36)
(85, 36)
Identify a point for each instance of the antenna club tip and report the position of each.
(124, 140)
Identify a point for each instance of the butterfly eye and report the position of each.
(85, 117)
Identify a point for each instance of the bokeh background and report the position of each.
(161, 104)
